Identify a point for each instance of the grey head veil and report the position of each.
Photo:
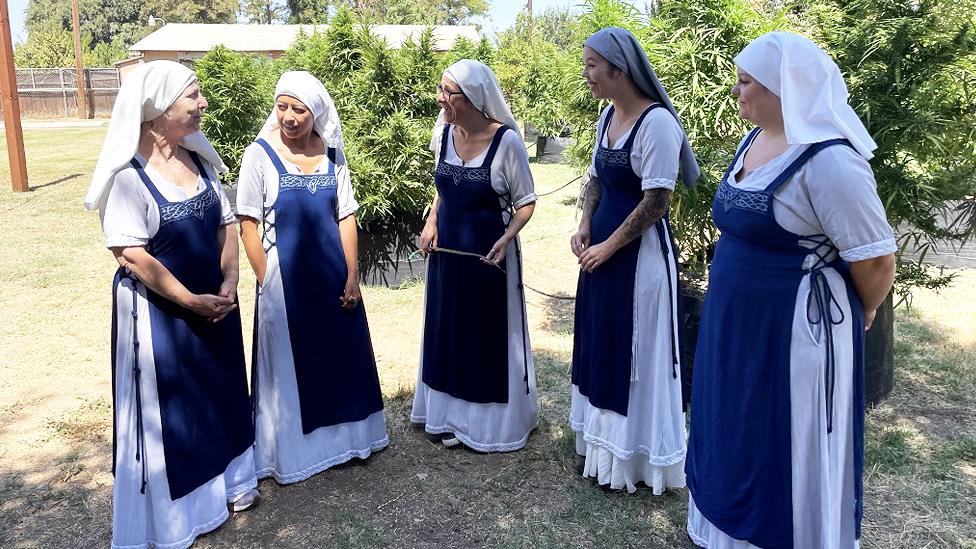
(620, 47)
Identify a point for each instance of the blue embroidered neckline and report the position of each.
(754, 201)
(462, 173)
(196, 206)
(311, 183)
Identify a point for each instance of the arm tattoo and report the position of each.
(647, 213)
(591, 197)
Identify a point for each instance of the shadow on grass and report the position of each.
(58, 497)
(55, 182)
(559, 319)
(920, 444)
(920, 477)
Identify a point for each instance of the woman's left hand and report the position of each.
(869, 319)
(229, 290)
(497, 253)
(596, 255)
(351, 296)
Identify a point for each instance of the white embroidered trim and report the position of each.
(248, 211)
(657, 183)
(310, 471)
(123, 242)
(346, 212)
(185, 542)
(870, 251)
(620, 453)
(527, 199)
(242, 488)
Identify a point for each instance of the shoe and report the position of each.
(245, 501)
(450, 440)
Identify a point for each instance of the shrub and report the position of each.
(239, 88)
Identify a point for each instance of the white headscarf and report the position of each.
(810, 87)
(309, 90)
(145, 94)
(481, 87)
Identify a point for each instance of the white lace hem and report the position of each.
(467, 441)
(309, 472)
(870, 251)
(241, 488)
(620, 453)
(185, 542)
(607, 469)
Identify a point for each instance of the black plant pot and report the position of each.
(879, 354)
(388, 251)
(879, 344)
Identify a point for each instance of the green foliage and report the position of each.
(385, 100)
(417, 12)
(239, 89)
(46, 48)
(691, 45)
(108, 27)
(54, 47)
(558, 27)
(910, 70)
(264, 12)
(305, 12)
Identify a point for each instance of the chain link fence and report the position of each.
(53, 93)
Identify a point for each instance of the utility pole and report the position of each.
(529, 8)
(79, 68)
(11, 105)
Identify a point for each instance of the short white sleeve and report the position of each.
(346, 198)
(512, 163)
(126, 214)
(596, 145)
(654, 156)
(842, 190)
(226, 212)
(251, 186)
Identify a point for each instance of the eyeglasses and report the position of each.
(441, 89)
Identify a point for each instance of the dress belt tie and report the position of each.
(823, 298)
(137, 380)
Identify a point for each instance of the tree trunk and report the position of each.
(540, 146)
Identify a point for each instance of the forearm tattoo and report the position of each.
(591, 197)
(648, 211)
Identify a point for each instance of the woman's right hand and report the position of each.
(580, 241)
(213, 307)
(428, 237)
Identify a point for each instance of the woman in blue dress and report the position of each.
(626, 407)
(804, 260)
(476, 383)
(316, 390)
(182, 416)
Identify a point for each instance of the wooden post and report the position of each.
(79, 67)
(11, 105)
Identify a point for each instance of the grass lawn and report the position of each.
(55, 408)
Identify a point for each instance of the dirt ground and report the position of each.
(55, 409)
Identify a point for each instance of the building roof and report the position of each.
(199, 37)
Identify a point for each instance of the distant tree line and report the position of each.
(109, 27)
